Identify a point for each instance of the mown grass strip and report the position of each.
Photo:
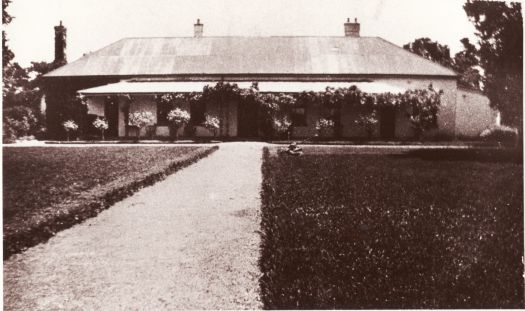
(88, 204)
(415, 230)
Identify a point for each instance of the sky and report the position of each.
(93, 24)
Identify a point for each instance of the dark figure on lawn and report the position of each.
(294, 149)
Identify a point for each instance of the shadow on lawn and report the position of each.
(477, 155)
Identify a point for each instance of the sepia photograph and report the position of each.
(266, 154)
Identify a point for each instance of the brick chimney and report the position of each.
(60, 45)
(352, 29)
(197, 29)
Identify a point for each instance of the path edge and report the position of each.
(20, 241)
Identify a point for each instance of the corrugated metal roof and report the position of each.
(251, 55)
(128, 87)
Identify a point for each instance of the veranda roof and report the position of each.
(149, 87)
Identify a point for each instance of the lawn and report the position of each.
(47, 189)
(383, 228)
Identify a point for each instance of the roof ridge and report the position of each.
(240, 36)
(251, 55)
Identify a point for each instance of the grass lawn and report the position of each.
(47, 189)
(384, 228)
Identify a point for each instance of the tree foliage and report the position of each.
(7, 54)
(6, 17)
(465, 62)
(18, 121)
(499, 28)
(431, 50)
(22, 87)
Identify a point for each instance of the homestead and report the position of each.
(128, 75)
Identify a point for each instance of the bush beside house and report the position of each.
(501, 134)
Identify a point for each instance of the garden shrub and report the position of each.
(324, 127)
(367, 120)
(101, 124)
(178, 118)
(70, 126)
(141, 119)
(18, 121)
(281, 126)
(500, 134)
(422, 107)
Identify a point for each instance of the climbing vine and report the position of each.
(420, 106)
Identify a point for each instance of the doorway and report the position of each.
(111, 114)
(247, 120)
(387, 122)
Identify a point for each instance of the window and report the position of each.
(162, 114)
(298, 116)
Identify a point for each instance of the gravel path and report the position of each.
(188, 242)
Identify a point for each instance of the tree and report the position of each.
(7, 54)
(431, 50)
(15, 81)
(499, 28)
(21, 87)
(465, 63)
(6, 17)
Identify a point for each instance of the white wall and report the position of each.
(95, 105)
(473, 113)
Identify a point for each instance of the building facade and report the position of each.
(147, 67)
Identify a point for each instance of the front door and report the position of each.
(247, 124)
(111, 114)
(387, 122)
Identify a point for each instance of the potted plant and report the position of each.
(368, 122)
(324, 127)
(69, 126)
(101, 124)
(212, 123)
(282, 126)
(178, 118)
(141, 119)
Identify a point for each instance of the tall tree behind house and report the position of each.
(499, 28)
(465, 62)
(23, 87)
